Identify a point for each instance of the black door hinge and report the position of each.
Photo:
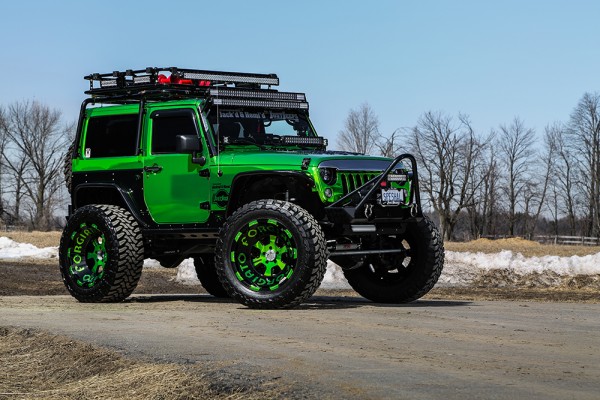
(205, 205)
(205, 173)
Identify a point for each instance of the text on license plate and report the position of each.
(392, 197)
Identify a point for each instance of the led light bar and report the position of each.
(397, 178)
(108, 83)
(302, 105)
(256, 94)
(304, 140)
(233, 77)
(142, 79)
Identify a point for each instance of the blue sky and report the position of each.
(490, 60)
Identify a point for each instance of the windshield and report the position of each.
(262, 127)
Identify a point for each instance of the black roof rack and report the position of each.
(222, 88)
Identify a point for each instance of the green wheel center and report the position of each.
(87, 255)
(264, 254)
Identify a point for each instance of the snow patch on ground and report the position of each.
(465, 269)
(460, 268)
(9, 249)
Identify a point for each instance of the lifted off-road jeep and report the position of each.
(174, 163)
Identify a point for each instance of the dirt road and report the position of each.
(349, 348)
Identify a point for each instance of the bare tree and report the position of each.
(2, 172)
(536, 189)
(584, 141)
(447, 154)
(565, 174)
(489, 196)
(388, 146)
(361, 130)
(483, 181)
(37, 142)
(516, 148)
(561, 199)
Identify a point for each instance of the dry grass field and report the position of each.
(38, 365)
(36, 238)
(517, 245)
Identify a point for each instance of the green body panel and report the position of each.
(174, 194)
(240, 159)
(184, 192)
(108, 164)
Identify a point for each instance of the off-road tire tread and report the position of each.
(314, 245)
(68, 167)
(120, 280)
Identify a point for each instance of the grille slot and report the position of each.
(353, 180)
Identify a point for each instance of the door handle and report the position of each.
(155, 168)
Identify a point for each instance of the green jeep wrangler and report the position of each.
(173, 163)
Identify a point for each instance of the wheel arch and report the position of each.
(257, 185)
(106, 193)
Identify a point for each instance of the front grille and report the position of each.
(352, 180)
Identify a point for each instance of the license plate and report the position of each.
(392, 197)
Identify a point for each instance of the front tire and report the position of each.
(400, 278)
(271, 254)
(101, 254)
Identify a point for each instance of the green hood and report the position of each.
(295, 160)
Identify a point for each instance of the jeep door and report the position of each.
(173, 189)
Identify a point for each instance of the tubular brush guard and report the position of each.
(360, 201)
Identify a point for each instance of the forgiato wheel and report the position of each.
(264, 254)
(101, 254)
(271, 254)
(86, 255)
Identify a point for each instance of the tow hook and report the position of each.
(368, 211)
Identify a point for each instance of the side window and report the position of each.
(166, 125)
(111, 136)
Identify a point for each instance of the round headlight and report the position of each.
(328, 175)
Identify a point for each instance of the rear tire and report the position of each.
(101, 254)
(271, 254)
(400, 278)
(207, 275)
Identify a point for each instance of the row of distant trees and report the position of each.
(33, 142)
(508, 181)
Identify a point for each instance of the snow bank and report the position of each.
(460, 269)
(506, 267)
(186, 272)
(9, 249)
(467, 269)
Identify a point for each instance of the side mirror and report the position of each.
(190, 144)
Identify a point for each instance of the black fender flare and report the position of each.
(137, 210)
(241, 180)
